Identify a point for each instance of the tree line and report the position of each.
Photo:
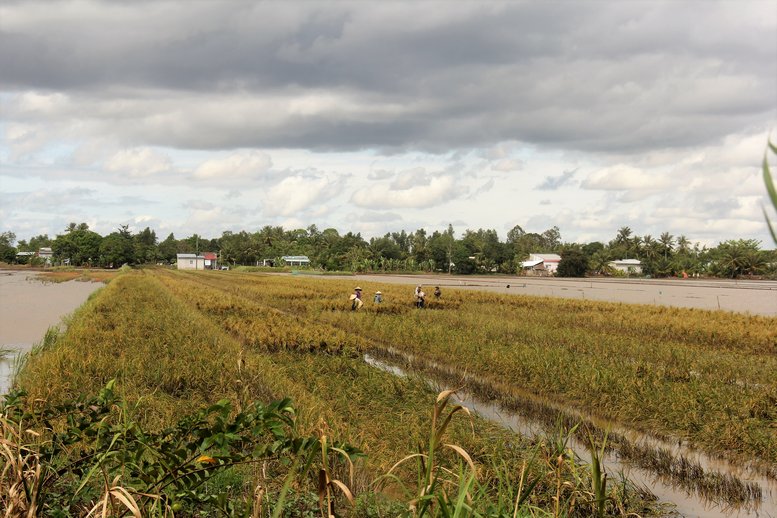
(475, 251)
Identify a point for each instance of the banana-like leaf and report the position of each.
(770, 189)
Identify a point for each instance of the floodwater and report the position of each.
(28, 308)
(754, 297)
(688, 503)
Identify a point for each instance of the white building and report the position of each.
(629, 266)
(190, 262)
(296, 260)
(46, 254)
(541, 264)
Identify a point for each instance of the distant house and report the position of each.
(24, 257)
(211, 260)
(296, 260)
(190, 262)
(541, 264)
(628, 266)
(46, 254)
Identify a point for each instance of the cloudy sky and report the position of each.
(198, 116)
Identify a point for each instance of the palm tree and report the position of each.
(666, 240)
(623, 237)
(683, 245)
(649, 248)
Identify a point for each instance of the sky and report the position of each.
(372, 117)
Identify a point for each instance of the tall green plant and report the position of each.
(770, 185)
(78, 443)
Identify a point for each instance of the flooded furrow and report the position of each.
(697, 484)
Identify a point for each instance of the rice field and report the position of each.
(179, 340)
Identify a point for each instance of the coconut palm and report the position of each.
(667, 242)
(683, 245)
(623, 237)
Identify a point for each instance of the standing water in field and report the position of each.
(756, 496)
(28, 308)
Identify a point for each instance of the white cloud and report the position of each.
(237, 166)
(297, 193)
(411, 178)
(623, 177)
(380, 174)
(139, 162)
(439, 190)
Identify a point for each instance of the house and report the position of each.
(541, 264)
(296, 260)
(46, 254)
(190, 262)
(24, 257)
(628, 266)
(211, 260)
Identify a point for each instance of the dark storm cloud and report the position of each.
(625, 76)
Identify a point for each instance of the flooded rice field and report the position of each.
(28, 308)
(698, 485)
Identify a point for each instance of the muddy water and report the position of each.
(688, 503)
(28, 308)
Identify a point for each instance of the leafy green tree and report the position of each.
(515, 234)
(193, 244)
(573, 263)
(463, 259)
(35, 243)
(168, 249)
(551, 239)
(240, 248)
(440, 249)
(7, 250)
(117, 248)
(738, 257)
(146, 251)
(419, 246)
(589, 249)
(384, 248)
(78, 246)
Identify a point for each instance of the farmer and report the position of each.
(378, 297)
(419, 297)
(356, 299)
(437, 292)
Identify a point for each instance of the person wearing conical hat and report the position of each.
(356, 299)
(378, 297)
